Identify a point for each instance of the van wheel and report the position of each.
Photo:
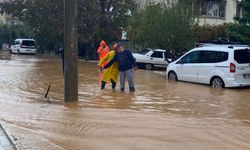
(148, 66)
(217, 83)
(172, 76)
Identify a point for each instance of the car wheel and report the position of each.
(148, 66)
(217, 83)
(18, 52)
(172, 76)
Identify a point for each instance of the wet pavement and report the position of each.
(5, 142)
(159, 115)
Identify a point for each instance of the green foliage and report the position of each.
(8, 33)
(97, 19)
(240, 31)
(208, 33)
(164, 25)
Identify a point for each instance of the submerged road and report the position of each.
(159, 115)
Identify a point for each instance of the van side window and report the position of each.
(193, 57)
(221, 56)
(213, 56)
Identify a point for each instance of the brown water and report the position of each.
(159, 115)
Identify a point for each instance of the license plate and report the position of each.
(28, 50)
(246, 76)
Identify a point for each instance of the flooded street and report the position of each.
(159, 115)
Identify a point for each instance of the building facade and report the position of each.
(215, 12)
(8, 18)
(211, 12)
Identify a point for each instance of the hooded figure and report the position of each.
(103, 50)
(111, 73)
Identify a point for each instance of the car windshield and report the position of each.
(28, 43)
(242, 56)
(144, 51)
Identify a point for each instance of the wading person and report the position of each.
(110, 74)
(127, 64)
(103, 50)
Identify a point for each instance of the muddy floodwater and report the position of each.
(160, 115)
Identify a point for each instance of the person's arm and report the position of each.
(131, 57)
(103, 60)
(99, 50)
(110, 62)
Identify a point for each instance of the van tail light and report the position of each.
(232, 68)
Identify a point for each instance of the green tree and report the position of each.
(165, 25)
(8, 33)
(240, 31)
(97, 19)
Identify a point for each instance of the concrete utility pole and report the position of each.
(70, 51)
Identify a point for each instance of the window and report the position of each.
(213, 8)
(238, 10)
(242, 56)
(221, 56)
(28, 43)
(144, 51)
(213, 56)
(16, 43)
(193, 57)
(157, 55)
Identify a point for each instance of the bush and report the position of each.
(208, 33)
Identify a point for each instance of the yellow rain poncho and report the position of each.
(112, 71)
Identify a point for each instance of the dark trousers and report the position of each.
(104, 83)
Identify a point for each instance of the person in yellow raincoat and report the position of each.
(110, 74)
(103, 50)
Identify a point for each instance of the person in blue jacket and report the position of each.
(127, 65)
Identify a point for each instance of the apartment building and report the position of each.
(8, 18)
(211, 12)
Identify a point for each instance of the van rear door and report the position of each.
(242, 57)
(28, 44)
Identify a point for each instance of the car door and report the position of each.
(157, 59)
(15, 46)
(187, 67)
(206, 68)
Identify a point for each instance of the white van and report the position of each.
(24, 46)
(218, 66)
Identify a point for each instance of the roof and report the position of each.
(221, 48)
(26, 39)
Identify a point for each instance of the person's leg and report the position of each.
(122, 80)
(113, 84)
(103, 85)
(130, 78)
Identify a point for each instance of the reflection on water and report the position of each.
(25, 79)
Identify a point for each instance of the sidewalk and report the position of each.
(5, 142)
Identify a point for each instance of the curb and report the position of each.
(5, 141)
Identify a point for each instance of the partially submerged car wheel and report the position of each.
(217, 82)
(148, 66)
(172, 76)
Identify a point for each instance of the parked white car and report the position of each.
(23, 46)
(151, 58)
(218, 66)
